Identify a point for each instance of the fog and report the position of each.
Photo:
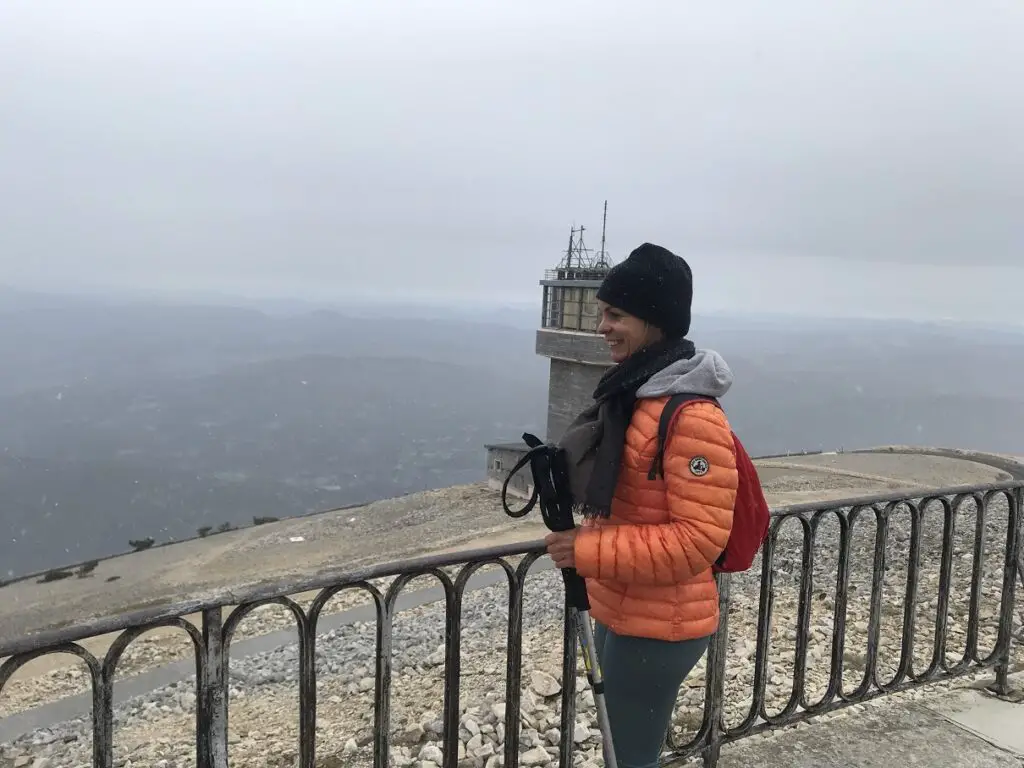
(849, 158)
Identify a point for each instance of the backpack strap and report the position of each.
(665, 422)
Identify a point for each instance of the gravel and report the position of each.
(158, 729)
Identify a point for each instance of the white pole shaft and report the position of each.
(586, 633)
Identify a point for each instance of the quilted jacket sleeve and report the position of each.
(699, 494)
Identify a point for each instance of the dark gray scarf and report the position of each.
(594, 442)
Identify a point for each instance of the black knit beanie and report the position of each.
(652, 284)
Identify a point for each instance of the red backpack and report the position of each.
(750, 516)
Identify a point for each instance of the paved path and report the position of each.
(963, 729)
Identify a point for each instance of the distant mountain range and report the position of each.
(130, 419)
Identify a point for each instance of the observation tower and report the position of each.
(568, 338)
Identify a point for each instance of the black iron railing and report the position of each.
(809, 559)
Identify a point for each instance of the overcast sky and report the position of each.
(819, 157)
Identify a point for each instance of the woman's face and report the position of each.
(624, 333)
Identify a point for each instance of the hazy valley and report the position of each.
(126, 420)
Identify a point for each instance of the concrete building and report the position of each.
(568, 338)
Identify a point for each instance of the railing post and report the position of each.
(382, 687)
(212, 695)
(103, 718)
(514, 665)
(570, 637)
(1011, 572)
(307, 694)
(715, 690)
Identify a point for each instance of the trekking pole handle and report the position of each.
(575, 586)
(576, 589)
(554, 511)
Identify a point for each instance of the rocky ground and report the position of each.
(158, 729)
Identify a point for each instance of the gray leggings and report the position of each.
(642, 679)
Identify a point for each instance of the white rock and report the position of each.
(528, 702)
(530, 737)
(486, 750)
(535, 756)
(544, 684)
(431, 753)
(580, 733)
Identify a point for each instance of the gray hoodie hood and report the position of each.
(706, 373)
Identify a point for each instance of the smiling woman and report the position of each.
(650, 541)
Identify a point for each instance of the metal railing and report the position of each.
(806, 544)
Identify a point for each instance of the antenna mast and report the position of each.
(602, 255)
(578, 257)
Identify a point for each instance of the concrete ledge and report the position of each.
(574, 346)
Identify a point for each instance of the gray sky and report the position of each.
(841, 157)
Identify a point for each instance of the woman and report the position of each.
(647, 546)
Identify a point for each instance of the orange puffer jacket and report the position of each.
(648, 566)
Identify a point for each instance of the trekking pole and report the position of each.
(549, 467)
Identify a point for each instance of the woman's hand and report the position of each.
(562, 547)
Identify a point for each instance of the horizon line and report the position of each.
(242, 300)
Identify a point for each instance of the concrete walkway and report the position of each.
(966, 728)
